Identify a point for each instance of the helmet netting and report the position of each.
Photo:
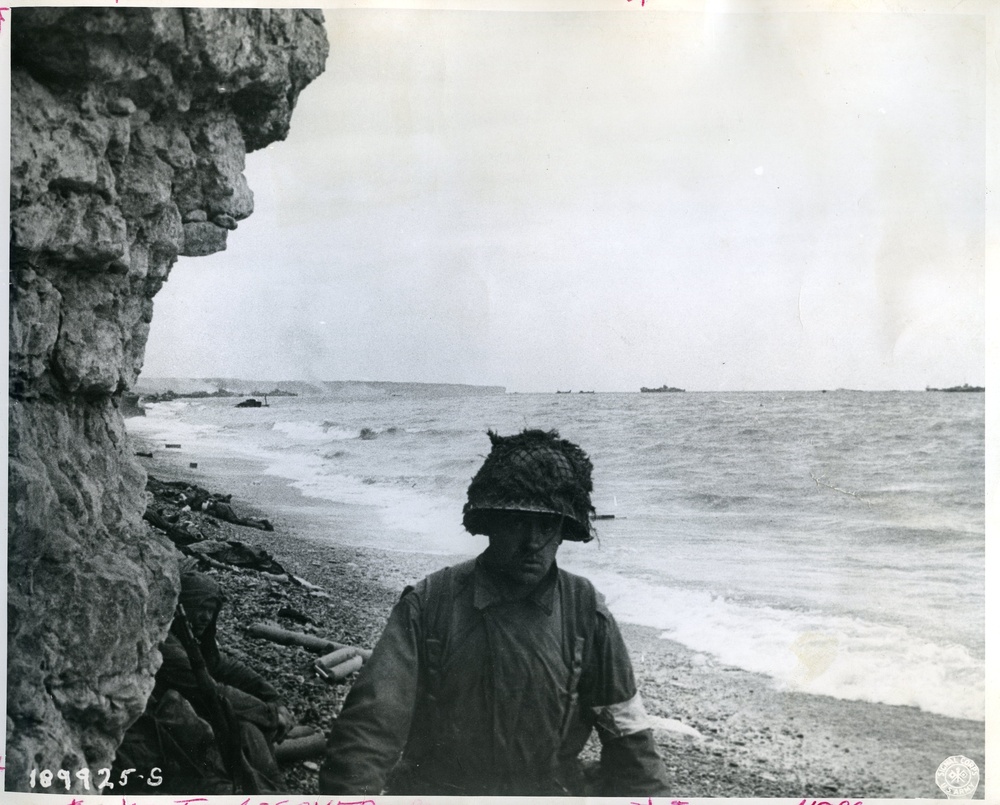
(532, 471)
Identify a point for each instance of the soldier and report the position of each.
(211, 723)
(491, 675)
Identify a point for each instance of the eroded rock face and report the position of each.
(129, 129)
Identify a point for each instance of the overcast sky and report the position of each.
(610, 200)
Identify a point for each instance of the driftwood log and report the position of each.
(286, 637)
(301, 747)
(340, 671)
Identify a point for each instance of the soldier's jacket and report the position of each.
(178, 731)
(175, 733)
(488, 696)
(252, 698)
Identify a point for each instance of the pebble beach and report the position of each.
(723, 731)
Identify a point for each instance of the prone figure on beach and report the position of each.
(220, 508)
(491, 675)
(211, 723)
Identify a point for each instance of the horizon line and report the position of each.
(507, 390)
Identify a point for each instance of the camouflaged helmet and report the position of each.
(532, 471)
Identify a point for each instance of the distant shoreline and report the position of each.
(242, 387)
(194, 387)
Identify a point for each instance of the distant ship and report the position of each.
(659, 390)
(963, 387)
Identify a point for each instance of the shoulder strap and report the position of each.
(579, 610)
(437, 595)
(579, 605)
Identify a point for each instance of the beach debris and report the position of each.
(179, 493)
(334, 668)
(236, 554)
(303, 583)
(301, 743)
(298, 581)
(186, 531)
(286, 637)
(337, 656)
(301, 730)
(208, 560)
(185, 494)
(179, 536)
(367, 433)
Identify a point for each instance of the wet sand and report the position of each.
(721, 730)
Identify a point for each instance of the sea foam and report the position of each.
(843, 657)
(723, 541)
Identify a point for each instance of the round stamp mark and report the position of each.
(958, 777)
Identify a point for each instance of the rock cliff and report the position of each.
(129, 129)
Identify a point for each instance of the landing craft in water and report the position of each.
(659, 390)
(963, 387)
(252, 403)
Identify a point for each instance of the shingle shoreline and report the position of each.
(723, 731)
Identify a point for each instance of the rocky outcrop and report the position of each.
(128, 134)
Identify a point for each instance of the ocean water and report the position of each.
(832, 541)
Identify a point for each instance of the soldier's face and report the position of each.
(523, 545)
(200, 617)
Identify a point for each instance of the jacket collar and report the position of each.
(488, 591)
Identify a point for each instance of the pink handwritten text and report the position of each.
(249, 801)
(826, 802)
(673, 801)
